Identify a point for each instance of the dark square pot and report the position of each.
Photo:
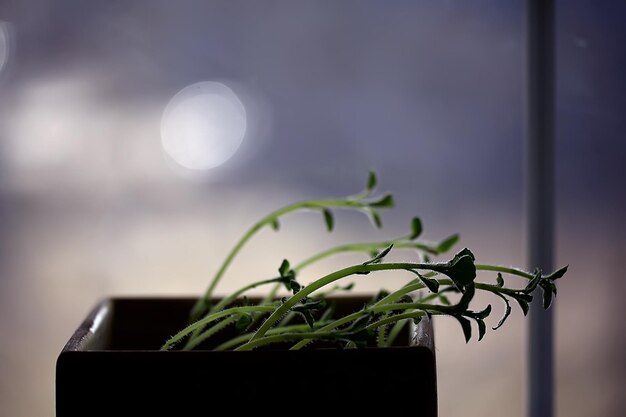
(112, 366)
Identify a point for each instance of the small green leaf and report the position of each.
(380, 295)
(482, 329)
(295, 286)
(243, 322)
(500, 280)
(460, 269)
(379, 257)
(375, 217)
(328, 219)
(416, 228)
(360, 323)
(308, 317)
(466, 325)
(532, 284)
(416, 320)
(405, 299)
(372, 181)
(523, 305)
(558, 273)
(275, 224)
(447, 244)
(507, 312)
(444, 300)
(431, 284)
(306, 308)
(468, 295)
(283, 270)
(385, 201)
(483, 314)
(547, 297)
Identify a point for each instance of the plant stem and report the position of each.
(342, 273)
(212, 317)
(395, 331)
(245, 337)
(285, 337)
(201, 304)
(505, 269)
(395, 318)
(227, 300)
(195, 341)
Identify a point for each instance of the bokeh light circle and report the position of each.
(203, 125)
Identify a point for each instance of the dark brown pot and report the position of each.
(112, 366)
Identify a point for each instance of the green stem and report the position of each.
(227, 300)
(193, 342)
(245, 337)
(381, 336)
(202, 303)
(212, 317)
(286, 337)
(395, 318)
(505, 269)
(332, 277)
(395, 331)
(353, 316)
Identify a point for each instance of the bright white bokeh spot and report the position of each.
(203, 125)
(4, 44)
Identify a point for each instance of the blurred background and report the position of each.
(139, 140)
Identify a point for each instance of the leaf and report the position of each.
(507, 312)
(385, 201)
(532, 284)
(464, 302)
(381, 294)
(482, 329)
(416, 228)
(500, 280)
(466, 325)
(379, 257)
(547, 297)
(360, 323)
(306, 307)
(558, 273)
(372, 181)
(328, 219)
(483, 314)
(283, 269)
(416, 320)
(275, 224)
(243, 322)
(447, 243)
(460, 269)
(294, 286)
(444, 300)
(523, 305)
(431, 284)
(308, 318)
(375, 217)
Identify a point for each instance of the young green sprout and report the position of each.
(377, 323)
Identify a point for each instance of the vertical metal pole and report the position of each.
(540, 195)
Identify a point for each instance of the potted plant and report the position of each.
(314, 348)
